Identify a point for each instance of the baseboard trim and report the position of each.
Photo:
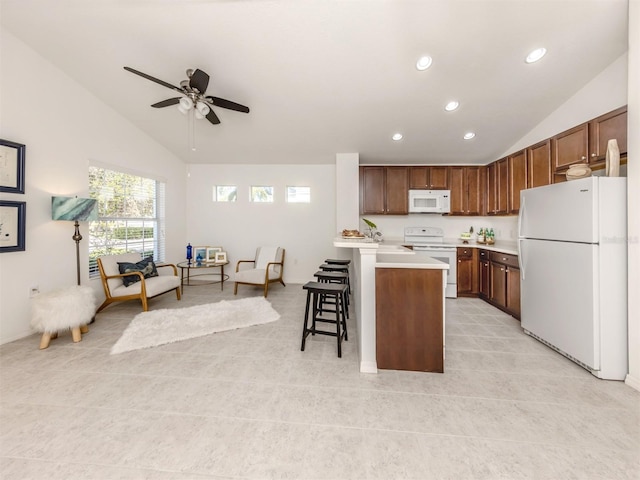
(633, 382)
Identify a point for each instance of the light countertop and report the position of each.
(502, 246)
(413, 261)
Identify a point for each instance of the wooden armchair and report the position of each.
(267, 268)
(114, 283)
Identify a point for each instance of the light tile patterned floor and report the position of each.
(248, 404)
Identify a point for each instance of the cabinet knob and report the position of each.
(583, 158)
(504, 259)
(593, 155)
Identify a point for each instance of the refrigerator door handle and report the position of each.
(520, 215)
(521, 258)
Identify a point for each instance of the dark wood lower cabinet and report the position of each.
(409, 319)
(467, 271)
(504, 282)
(498, 291)
(484, 275)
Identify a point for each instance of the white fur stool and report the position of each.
(72, 308)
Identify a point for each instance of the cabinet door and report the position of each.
(539, 164)
(502, 194)
(484, 279)
(474, 178)
(397, 190)
(419, 178)
(604, 128)
(439, 178)
(492, 189)
(372, 190)
(467, 282)
(458, 190)
(498, 292)
(570, 147)
(517, 179)
(513, 291)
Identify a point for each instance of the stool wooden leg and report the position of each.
(306, 319)
(338, 321)
(76, 335)
(84, 328)
(44, 341)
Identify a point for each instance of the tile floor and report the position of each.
(247, 404)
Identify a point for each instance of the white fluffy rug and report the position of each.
(150, 329)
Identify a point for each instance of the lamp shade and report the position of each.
(74, 208)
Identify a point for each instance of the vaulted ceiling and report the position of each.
(329, 76)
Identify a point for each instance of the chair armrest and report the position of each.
(175, 270)
(243, 261)
(269, 266)
(120, 275)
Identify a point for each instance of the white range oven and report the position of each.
(430, 241)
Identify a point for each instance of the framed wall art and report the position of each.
(211, 253)
(11, 166)
(12, 226)
(221, 257)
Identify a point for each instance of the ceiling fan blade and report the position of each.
(199, 80)
(213, 118)
(221, 102)
(167, 103)
(153, 79)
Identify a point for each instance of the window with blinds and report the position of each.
(130, 215)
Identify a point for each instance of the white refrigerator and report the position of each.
(572, 245)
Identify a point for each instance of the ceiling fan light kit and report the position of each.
(194, 98)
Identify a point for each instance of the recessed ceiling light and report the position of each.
(536, 55)
(424, 62)
(397, 137)
(451, 106)
(469, 135)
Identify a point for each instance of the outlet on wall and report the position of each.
(34, 290)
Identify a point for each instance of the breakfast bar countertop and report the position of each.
(417, 260)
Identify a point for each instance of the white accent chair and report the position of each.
(267, 268)
(115, 290)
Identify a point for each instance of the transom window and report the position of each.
(262, 194)
(225, 193)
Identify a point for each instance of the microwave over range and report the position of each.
(429, 201)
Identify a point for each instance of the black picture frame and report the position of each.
(12, 226)
(12, 157)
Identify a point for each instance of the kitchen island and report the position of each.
(366, 257)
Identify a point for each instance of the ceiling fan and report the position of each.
(193, 90)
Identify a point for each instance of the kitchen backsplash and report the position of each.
(392, 226)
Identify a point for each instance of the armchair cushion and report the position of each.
(144, 266)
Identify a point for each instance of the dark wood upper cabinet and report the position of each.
(502, 194)
(429, 178)
(570, 147)
(467, 187)
(384, 190)
(604, 128)
(397, 183)
(517, 179)
(372, 190)
(492, 189)
(539, 164)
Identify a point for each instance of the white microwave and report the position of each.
(429, 201)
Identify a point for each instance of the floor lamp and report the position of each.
(76, 210)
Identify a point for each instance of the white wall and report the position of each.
(633, 188)
(606, 92)
(64, 127)
(392, 226)
(306, 231)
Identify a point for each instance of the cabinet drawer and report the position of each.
(465, 252)
(505, 259)
(483, 254)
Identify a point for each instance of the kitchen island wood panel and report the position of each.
(409, 319)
